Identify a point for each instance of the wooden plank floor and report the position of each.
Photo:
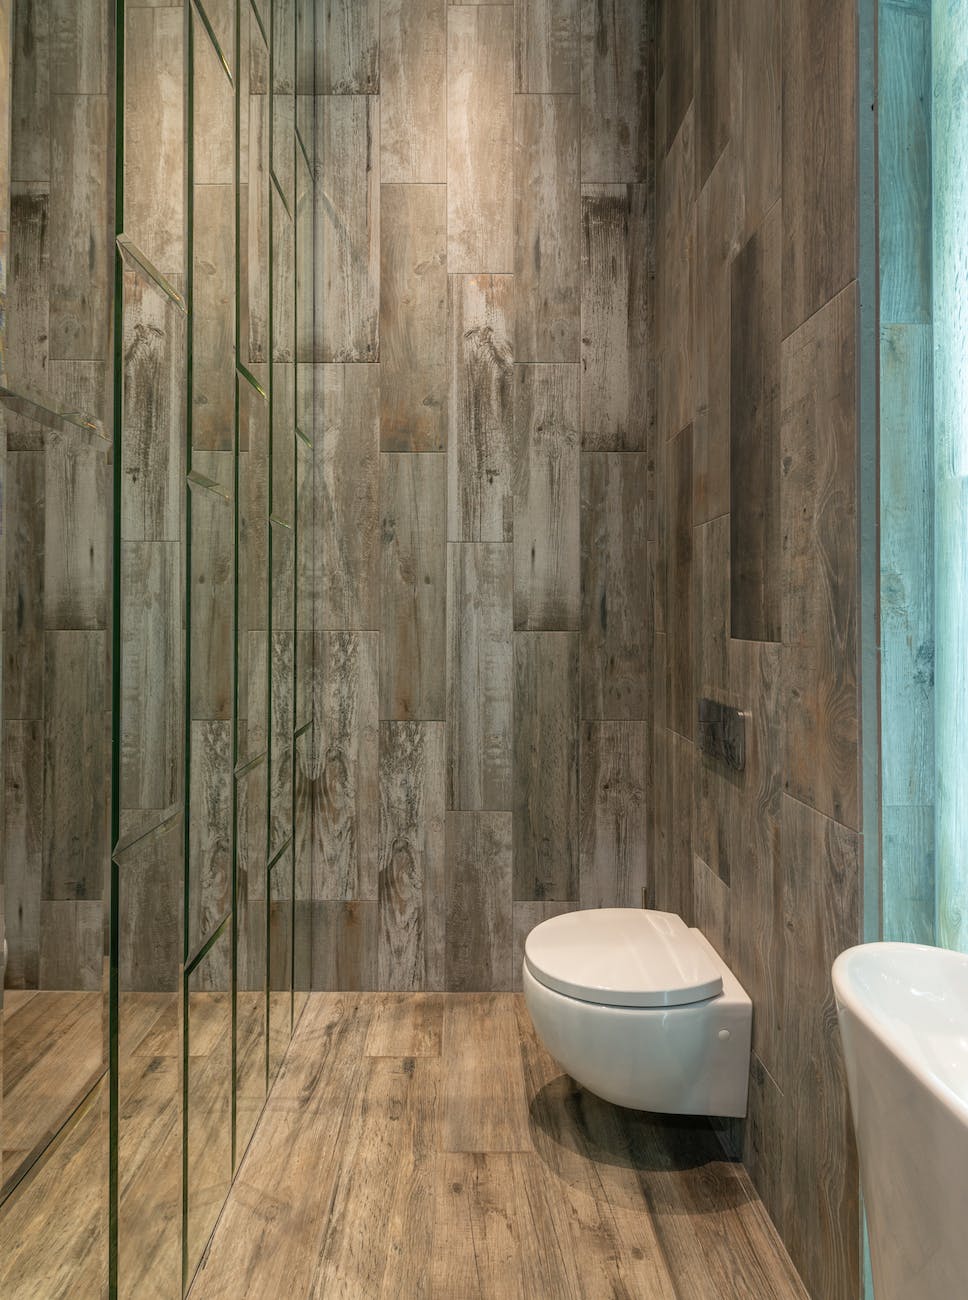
(427, 1146)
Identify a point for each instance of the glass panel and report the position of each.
(251, 975)
(304, 584)
(280, 960)
(283, 438)
(150, 873)
(208, 1093)
(304, 261)
(254, 205)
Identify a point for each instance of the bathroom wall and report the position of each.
(756, 591)
(482, 480)
(58, 497)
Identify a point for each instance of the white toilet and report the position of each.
(640, 1010)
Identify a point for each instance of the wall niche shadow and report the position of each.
(673, 1163)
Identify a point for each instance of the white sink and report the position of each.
(903, 1012)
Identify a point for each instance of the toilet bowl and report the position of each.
(641, 1010)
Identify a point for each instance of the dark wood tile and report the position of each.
(546, 848)
(676, 87)
(479, 676)
(346, 789)
(479, 870)
(617, 88)
(412, 855)
(719, 220)
(546, 46)
(347, 470)
(23, 685)
(547, 498)
(754, 446)
(819, 509)
(348, 226)
(413, 318)
(480, 320)
(615, 668)
(819, 87)
(820, 865)
(480, 234)
(546, 228)
(675, 278)
(612, 794)
(413, 591)
(679, 628)
(756, 93)
(615, 318)
(348, 48)
(413, 91)
(75, 764)
(345, 943)
(712, 73)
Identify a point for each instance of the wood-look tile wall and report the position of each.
(483, 480)
(756, 562)
(57, 494)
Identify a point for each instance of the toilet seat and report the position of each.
(623, 957)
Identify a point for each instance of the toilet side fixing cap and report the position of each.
(622, 956)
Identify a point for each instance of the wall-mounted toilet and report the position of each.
(641, 1010)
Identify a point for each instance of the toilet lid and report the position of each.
(624, 957)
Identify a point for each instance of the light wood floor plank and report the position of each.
(406, 1024)
(484, 1106)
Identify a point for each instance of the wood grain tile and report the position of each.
(483, 1103)
(617, 88)
(24, 587)
(30, 52)
(348, 225)
(76, 496)
(346, 794)
(680, 629)
(345, 945)
(209, 894)
(478, 923)
(413, 91)
(615, 586)
(546, 850)
(821, 918)
(480, 323)
(547, 498)
(27, 334)
(546, 47)
(413, 592)
(412, 855)
(819, 553)
(413, 320)
(154, 139)
(406, 1024)
(756, 93)
(675, 283)
(23, 760)
(347, 469)
(819, 89)
(152, 658)
(75, 764)
(613, 858)
(616, 343)
(754, 447)
(480, 234)
(479, 676)
(719, 220)
(713, 56)
(676, 64)
(546, 226)
(348, 48)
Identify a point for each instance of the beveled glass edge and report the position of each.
(220, 53)
(303, 149)
(199, 480)
(133, 253)
(280, 523)
(42, 409)
(249, 765)
(126, 844)
(245, 373)
(254, 9)
(204, 948)
(279, 191)
(279, 854)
